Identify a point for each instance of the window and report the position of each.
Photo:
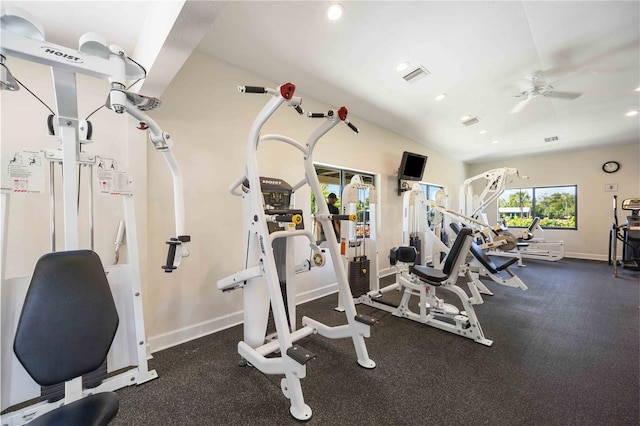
(554, 205)
(430, 190)
(430, 194)
(334, 180)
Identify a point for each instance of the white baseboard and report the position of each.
(195, 331)
(586, 256)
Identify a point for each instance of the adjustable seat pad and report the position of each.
(430, 275)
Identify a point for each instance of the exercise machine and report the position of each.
(358, 237)
(496, 181)
(433, 311)
(24, 38)
(499, 240)
(628, 234)
(422, 282)
(267, 219)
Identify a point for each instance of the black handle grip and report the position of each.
(341, 216)
(299, 110)
(352, 127)
(317, 115)
(282, 211)
(171, 255)
(252, 89)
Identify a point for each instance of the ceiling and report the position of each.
(479, 53)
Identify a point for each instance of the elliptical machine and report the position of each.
(628, 233)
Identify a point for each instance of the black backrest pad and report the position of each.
(454, 253)
(478, 253)
(68, 319)
(406, 254)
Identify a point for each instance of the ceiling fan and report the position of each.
(539, 88)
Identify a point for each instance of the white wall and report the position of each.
(582, 168)
(209, 122)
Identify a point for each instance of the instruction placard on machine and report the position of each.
(110, 180)
(23, 172)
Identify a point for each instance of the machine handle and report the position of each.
(252, 89)
(349, 217)
(351, 126)
(317, 115)
(290, 218)
(298, 108)
(171, 255)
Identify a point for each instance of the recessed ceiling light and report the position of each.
(632, 113)
(465, 117)
(482, 132)
(441, 96)
(402, 66)
(334, 12)
(638, 89)
(494, 142)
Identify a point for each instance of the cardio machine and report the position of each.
(628, 234)
(268, 219)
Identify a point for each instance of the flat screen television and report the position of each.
(412, 166)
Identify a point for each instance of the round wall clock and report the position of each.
(611, 166)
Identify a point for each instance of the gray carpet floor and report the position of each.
(565, 352)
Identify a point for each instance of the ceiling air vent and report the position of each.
(416, 74)
(551, 139)
(470, 121)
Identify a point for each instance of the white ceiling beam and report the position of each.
(170, 33)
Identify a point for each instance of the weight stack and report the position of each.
(359, 275)
(416, 243)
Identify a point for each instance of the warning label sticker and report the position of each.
(23, 172)
(110, 180)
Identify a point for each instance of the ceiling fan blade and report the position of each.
(563, 95)
(520, 106)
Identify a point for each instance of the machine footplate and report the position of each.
(366, 319)
(300, 354)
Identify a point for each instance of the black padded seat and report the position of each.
(66, 327)
(431, 275)
(97, 409)
(482, 257)
(427, 274)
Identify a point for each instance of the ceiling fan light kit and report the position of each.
(540, 88)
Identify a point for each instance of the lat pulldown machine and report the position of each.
(267, 220)
(22, 37)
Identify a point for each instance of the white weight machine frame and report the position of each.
(415, 222)
(260, 279)
(432, 310)
(351, 246)
(473, 207)
(23, 38)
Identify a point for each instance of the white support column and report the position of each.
(66, 102)
(136, 289)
